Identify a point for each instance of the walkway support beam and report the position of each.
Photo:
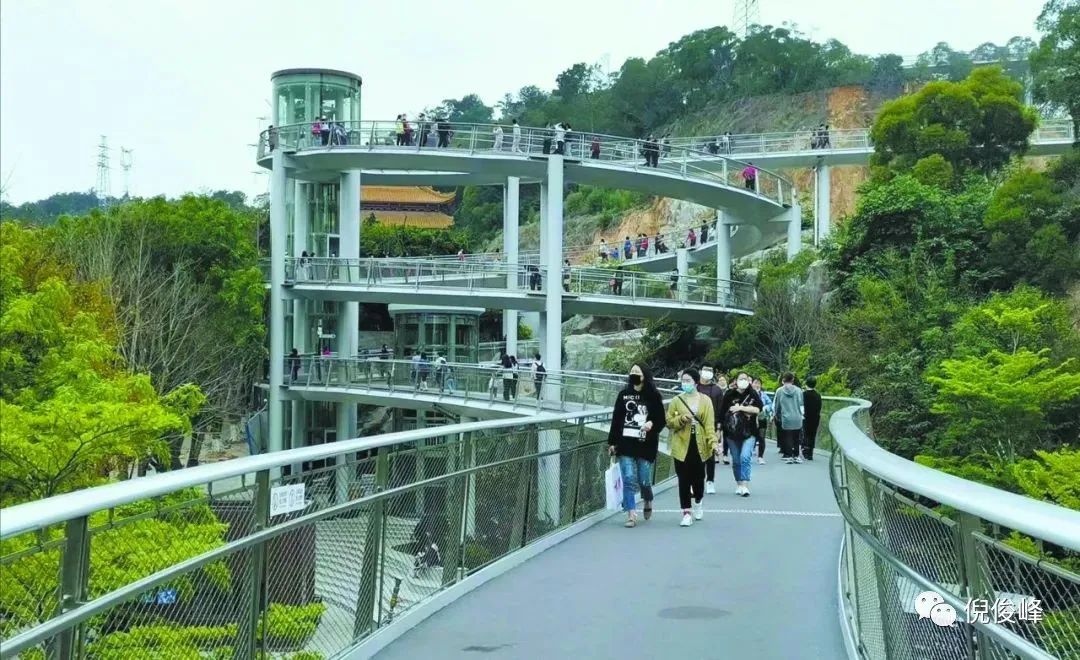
(822, 201)
(547, 468)
(348, 339)
(794, 231)
(682, 267)
(510, 249)
(301, 233)
(279, 227)
(723, 255)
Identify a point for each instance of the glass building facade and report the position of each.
(303, 95)
(449, 331)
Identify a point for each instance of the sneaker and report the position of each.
(710, 488)
(631, 519)
(745, 492)
(738, 490)
(761, 460)
(699, 511)
(648, 511)
(797, 459)
(808, 457)
(727, 461)
(686, 519)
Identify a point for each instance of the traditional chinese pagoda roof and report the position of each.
(420, 219)
(403, 195)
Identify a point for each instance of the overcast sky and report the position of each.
(184, 83)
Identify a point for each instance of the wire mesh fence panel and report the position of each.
(322, 563)
(1031, 592)
(920, 538)
(30, 579)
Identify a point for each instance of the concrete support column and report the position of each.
(723, 257)
(539, 319)
(278, 229)
(551, 341)
(301, 218)
(469, 445)
(794, 231)
(301, 230)
(682, 267)
(510, 249)
(822, 202)
(346, 430)
(349, 223)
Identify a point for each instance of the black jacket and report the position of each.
(811, 407)
(632, 410)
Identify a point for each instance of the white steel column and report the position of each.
(822, 202)
(301, 229)
(278, 228)
(682, 267)
(541, 328)
(348, 339)
(510, 249)
(551, 343)
(723, 257)
(470, 502)
(794, 231)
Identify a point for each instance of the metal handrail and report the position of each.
(586, 147)
(1050, 522)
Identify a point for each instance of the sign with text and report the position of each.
(286, 499)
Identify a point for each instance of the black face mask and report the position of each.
(635, 379)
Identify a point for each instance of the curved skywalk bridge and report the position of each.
(498, 492)
(496, 285)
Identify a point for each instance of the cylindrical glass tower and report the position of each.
(303, 95)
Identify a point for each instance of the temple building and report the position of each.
(399, 206)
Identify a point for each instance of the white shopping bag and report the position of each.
(613, 486)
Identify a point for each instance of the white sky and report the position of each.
(184, 82)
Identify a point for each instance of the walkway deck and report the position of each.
(755, 579)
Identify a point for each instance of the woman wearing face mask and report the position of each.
(716, 396)
(722, 383)
(634, 436)
(745, 404)
(693, 436)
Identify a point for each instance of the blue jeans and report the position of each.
(636, 476)
(742, 454)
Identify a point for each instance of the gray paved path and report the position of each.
(753, 580)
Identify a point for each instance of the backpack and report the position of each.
(540, 369)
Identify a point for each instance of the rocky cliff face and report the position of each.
(587, 352)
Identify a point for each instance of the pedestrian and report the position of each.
(423, 369)
(617, 281)
(811, 417)
(644, 245)
(741, 407)
(594, 148)
(444, 132)
(627, 247)
(539, 371)
(715, 393)
(560, 138)
(691, 238)
(272, 137)
(603, 250)
(399, 128)
(722, 383)
(634, 437)
(498, 138)
(515, 144)
(425, 129)
(324, 130)
(787, 411)
(763, 419)
(294, 365)
(693, 436)
(749, 175)
(729, 142)
(507, 374)
(704, 233)
(566, 275)
(674, 283)
(440, 371)
(514, 374)
(637, 246)
(659, 243)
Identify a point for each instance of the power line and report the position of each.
(103, 187)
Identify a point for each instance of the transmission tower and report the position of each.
(747, 13)
(125, 164)
(103, 188)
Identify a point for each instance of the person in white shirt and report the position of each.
(498, 138)
(515, 146)
(560, 138)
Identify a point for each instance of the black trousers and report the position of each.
(691, 474)
(810, 428)
(508, 388)
(789, 442)
(710, 468)
(444, 138)
(761, 439)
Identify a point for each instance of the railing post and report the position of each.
(247, 642)
(368, 593)
(457, 493)
(974, 584)
(74, 577)
(472, 140)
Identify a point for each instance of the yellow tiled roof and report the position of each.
(420, 219)
(403, 194)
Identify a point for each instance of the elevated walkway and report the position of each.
(756, 578)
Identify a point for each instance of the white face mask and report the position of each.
(743, 383)
(706, 376)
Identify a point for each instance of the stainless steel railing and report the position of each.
(911, 529)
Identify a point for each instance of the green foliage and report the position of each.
(382, 240)
(161, 642)
(606, 203)
(977, 124)
(290, 626)
(933, 170)
(1051, 477)
(1055, 64)
(46, 211)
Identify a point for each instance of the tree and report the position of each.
(1055, 63)
(469, 109)
(977, 124)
